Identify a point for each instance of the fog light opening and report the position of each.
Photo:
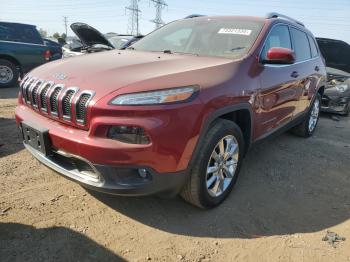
(128, 134)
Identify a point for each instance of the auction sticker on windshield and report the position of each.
(235, 31)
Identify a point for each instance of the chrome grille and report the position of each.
(43, 95)
(34, 93)
(54, 100)
(81, 107)
(67, 103)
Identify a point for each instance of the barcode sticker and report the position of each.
(235, 31)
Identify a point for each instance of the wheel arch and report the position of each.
(241, 114)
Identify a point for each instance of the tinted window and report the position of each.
(314, 51)
(205, 37)
(278, 37)
(301, 45)
(29, 34)
(8, 32)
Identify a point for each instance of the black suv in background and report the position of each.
(21, 50)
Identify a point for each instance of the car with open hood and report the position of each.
(336, 97)
(92, 41)
(177, 111)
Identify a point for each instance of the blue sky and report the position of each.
(325, 18)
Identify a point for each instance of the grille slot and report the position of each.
(54, 100)
(43, 95)
(27, 89)
(34, 93)
(81, 107)
(67, 104)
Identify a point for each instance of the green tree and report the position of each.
(56, 35)
(43, 33)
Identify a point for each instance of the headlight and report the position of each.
(342, 87)
(156, 97)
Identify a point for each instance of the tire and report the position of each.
(9, 73)
(195, 190)
(304, 129)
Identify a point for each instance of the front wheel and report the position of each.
(216, 168)
(308, 126)
(8, 73)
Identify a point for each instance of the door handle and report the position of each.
(295, 74)
(317, 68)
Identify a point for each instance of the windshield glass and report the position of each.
(228, 38)
(119, 41)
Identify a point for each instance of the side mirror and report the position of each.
(279, 55)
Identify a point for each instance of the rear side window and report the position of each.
(278, 37)
(314, 51)
(301, 45)
(8, 32)
(29, 35)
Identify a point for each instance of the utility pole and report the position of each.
(65, 21)
(134, 13)
(159, 5)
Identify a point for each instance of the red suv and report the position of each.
(177, 111)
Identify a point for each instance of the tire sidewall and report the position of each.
(14, 70)
(310, 133)
(214, 136)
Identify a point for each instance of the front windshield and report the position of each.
(230, 38)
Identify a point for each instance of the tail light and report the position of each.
(47, 55)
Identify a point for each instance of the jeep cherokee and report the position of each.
(177, 111)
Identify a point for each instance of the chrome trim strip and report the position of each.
(22, 43)
(73, 174)
(43, 86)
(31, 90)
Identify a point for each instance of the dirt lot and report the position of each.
(290, 192)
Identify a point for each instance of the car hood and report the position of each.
(89, 36)
(336, 53)
(134, 71)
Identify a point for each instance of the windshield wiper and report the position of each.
(167, 51)
(131, 48)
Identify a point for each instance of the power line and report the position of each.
(134, 13)
(160, 5)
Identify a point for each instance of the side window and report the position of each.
(8, 33)
(30, 35)
(314, 51)
(278, 37)
(301, 45)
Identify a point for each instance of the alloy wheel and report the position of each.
(222, 166)
(6, 74)
(315, 112)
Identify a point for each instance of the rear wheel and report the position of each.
(8, 73)
(216, 169)
(308, 126)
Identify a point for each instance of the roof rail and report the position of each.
(276, 15)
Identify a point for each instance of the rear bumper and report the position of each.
(109, 179)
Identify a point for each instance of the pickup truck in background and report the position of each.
(21, 49)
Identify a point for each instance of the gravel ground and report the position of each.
(290, 192)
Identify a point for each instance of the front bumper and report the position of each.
(335, 104)
(109, 179)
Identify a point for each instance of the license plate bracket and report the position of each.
(36, 137)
